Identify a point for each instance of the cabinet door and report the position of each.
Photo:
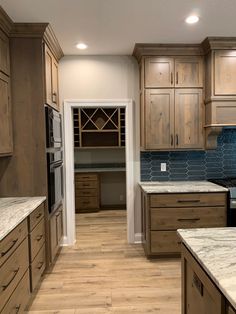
(59, 227)
(4, 54)
(53, 237)
(188, 118)
(225, 72)
(189, 72)
(48, 75)
(159, 72)
(6, 145)
(159, 118)
(55, 96)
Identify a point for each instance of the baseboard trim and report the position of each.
(64, 241)
(138, 238)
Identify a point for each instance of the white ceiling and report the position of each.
(112, 27)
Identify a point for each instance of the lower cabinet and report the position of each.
(163, 214)
(199, 293)
(56, 232)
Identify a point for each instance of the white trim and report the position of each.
(138, 238)
(69, 213)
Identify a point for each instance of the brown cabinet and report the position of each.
(56, 232)
(163, 214)
(189, 72)
(4, 54)
(87, 192)
(51, 79)
(230, 310)
(159, 72)
(173, 119)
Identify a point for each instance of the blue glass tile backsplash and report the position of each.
(193, 165)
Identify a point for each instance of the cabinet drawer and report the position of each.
(86, 177)
(188, 200)
(164, 242)
(37, 238)
(87, 192)
(36, 216)
(12, 271)
(188, 217)
(87, 202)
(12, 240)
(20, 297)
(37, 267)
(86, 185)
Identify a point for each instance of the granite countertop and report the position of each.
(181, 187)
(14, 210)
(215, 250)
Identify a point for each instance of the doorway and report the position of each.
(69, 202)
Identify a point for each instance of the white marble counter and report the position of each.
(181, 187)
(14, 210)
(215, 250)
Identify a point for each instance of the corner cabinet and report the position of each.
(171, 89)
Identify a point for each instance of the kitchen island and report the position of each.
(208, 270)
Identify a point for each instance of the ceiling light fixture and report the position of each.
(192, 19)
(81, 46)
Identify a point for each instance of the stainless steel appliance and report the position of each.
(53, 128)
(230, 184)
(55, 179)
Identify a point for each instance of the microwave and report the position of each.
(53, 128)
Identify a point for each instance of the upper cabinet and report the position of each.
(4, 54)
(173, 72)
(51, 79)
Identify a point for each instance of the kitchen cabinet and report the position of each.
(230, 310)
(4, 54)
(87, 192)
(56, 232)
(173, 72)
(51, 79)
(173, 119)
(163, 214)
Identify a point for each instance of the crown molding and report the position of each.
(6, 22)
(216, 43)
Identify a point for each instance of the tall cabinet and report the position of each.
(25, 173)
(171, 92)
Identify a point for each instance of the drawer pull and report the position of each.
(40, 265)
(12, 278)
(39, 237)
(39, 215)
(188, 201)
(18, 308)
(10, 247)
(198, 284)
(189, 219)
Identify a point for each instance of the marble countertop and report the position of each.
(215, 250)
(181, 187)
(14, 210)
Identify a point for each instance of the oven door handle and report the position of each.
(56, 165)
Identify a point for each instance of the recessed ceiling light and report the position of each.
(81, 46)
(192, 19)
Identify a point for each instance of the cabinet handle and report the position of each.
(39, 215)
(58, 214)
(54, 97)
(198, 284)
(177, 139)
(171, 78)
(18, 308)
(177, 78)
(189, 219)
(172, 140)
(188, 201)
(39, 237)
(40, 265)
(10, 247)
(15, 272)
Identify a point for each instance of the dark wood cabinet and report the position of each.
(56, 232)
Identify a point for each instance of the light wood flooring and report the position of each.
(102, 274)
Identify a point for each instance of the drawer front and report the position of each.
(20, 297)
(12, 271)
(87, 202)
(36, 216)
(187, 200)
(87, 192)
(190, 217)
(164, 242)
(37, 238)
(37, 267)
(86, 185)
(12, 240)
(86, 177)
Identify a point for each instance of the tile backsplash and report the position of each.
(193, 165)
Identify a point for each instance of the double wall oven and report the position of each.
(54, 158)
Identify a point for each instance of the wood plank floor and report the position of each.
(103, 274)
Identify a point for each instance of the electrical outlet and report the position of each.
(163, 166)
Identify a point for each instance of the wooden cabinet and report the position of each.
(230, 310)
(173, 119)
(56, 232)
(189, 72)
(87, 192)
(159, 72)
(163, 214)
(4, 54)
(51, 80)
